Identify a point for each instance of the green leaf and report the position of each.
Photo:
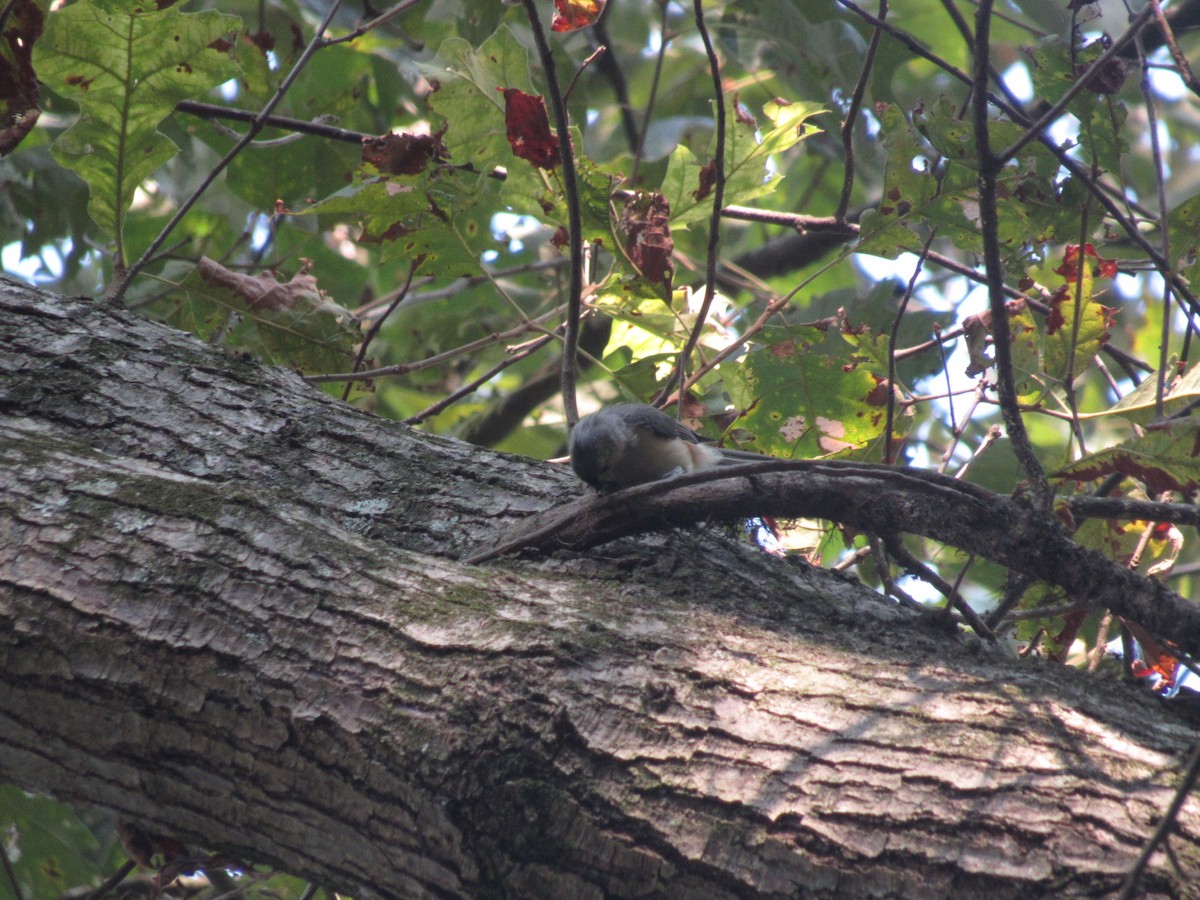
(1056, 67)
(468, 84)
(1183, 225)
(747, 151)
(51, 847)
(807, 393)
(807, 44)
(1026, 343)
(908, 187)
(1138, 405)
(1165, 458)
(645, 322)
(126, 64)
(442, 215)
(469, 98)
(914, 199)
(1071, 345)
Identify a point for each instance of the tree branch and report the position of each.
(228, 612)
(871, 498)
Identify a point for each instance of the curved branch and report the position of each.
(873, 498)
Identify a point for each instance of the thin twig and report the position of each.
(299, 126)
(950, 591)
(989, 439)
(595, 54)
(439, 358)
(1044, 612)
(118, 292)
(640, 144)
(610, 68)
(1131, 228)
(8, 867)
(679, 374)
(1100, 650)
(856, 98)
(1014, 590)
(378, 323)
(474, 385)
(1164, 347)
(574, 218)
(1076, 322)
(989, 168)
(883, 569)
(458, 285)
(109, 883)
(964, 29)
(1183, 67)
(4, 13)
(1036, 130)
(891, 382)
(383, 17)
(1091, 507)
(775, 306)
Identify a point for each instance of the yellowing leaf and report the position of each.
(808, 393)
(1138, 405)
(1166, 458)
(747, 150)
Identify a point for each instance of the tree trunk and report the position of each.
(230, 610)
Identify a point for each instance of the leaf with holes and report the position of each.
(808, 393)
(127, 65)
(1077, 326)
(1165, 458)
(528, 128)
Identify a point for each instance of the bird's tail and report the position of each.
(733, 457)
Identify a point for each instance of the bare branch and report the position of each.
(574, 219)
(989, 168)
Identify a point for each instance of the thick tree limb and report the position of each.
(228, 611)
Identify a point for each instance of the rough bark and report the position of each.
(230, 610)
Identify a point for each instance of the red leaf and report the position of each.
(645, 220)
(708, 178)
(1055, 320)
(529, 132)
(571, 15)
(404, 154)
(1106, 268)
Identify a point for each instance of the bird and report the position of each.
(632, 443)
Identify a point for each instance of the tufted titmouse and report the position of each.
(632, 443)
